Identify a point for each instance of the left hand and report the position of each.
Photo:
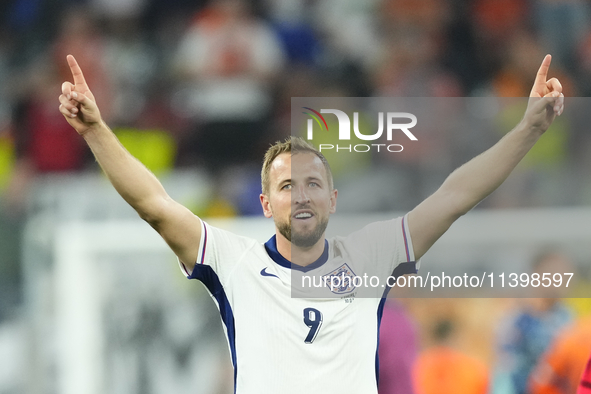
(546, 99)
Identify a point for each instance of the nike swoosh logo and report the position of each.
(265, 273)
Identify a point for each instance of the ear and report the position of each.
(333, 200)
(266, 204)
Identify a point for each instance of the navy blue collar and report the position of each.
(271, 248)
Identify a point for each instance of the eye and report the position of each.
(314, 184)
(286, 187)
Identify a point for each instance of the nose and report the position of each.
(300, 196)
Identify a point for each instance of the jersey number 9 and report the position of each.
(312, 319)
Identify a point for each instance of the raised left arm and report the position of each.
(473, 181)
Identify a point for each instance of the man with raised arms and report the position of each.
(281, 344)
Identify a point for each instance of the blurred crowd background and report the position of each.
(205, 86)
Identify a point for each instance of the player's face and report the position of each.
(300, 198)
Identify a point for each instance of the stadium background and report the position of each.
(173, 79)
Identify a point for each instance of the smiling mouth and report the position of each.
(303, 215)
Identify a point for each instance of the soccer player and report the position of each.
(281, 344)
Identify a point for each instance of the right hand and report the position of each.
(77, 103)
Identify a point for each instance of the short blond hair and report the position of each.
(290, 145)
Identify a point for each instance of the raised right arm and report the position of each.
(179, 227)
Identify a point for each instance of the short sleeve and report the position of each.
(387, 245)
(219, 250)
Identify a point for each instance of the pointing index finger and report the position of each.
(76, 72)
(543, 71)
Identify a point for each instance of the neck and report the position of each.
(298, 255)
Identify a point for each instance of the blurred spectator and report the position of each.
(227, 63)
(349, 28)
(561, 25)
(585, 385)
(499, 19)
(444, 370)
(293, 23)
(495, 22)
(45, 142)
(430, 16)
(559, 371)
(398, 348)
(410, 67)
(526, 334)
(132, 64)
(413, 36)
(461, 52)
(118, 9)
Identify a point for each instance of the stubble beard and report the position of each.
(302, 240)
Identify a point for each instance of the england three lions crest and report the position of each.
(341, 280)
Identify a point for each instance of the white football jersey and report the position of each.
(281, 343)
